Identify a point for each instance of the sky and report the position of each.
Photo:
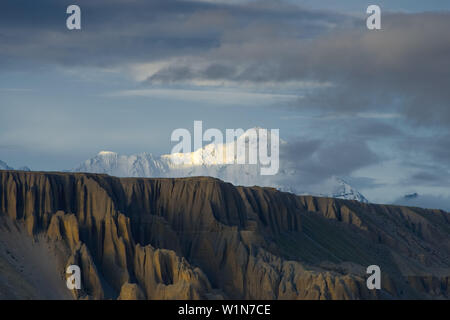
(368, 105)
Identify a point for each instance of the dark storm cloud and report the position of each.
(373, 129)
(113, 32)
(429, 172)
(363, 182)
(435, 148)
(439, 148)
(318, 160)
(404, 67)
(120, 31)
(426, 177)
(219, 71)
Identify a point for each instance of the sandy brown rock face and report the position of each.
(164, 275)
(131, 291)
(201, 238)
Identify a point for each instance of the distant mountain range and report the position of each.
(146, 165)
(204, 164)
(4, 166)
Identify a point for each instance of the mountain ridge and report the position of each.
(4, 166)
(145, 165)
(201, 238)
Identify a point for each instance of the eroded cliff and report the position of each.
(201, 238)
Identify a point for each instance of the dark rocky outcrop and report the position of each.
(201, 238)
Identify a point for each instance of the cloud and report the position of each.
(431, 148)
(120, 31)
(426, 201)
(221, 97)
(404, 68)
(316, 161)
(430, 175)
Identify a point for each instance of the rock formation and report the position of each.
(201, 238)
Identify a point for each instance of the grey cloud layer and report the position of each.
(427, 201)
(318, 160)
(405, 66)
(119, 31)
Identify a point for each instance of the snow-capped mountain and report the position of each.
(139, 165)
(342, 190)
(4, 166)
(204, 162)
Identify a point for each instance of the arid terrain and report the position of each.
(201, 238)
